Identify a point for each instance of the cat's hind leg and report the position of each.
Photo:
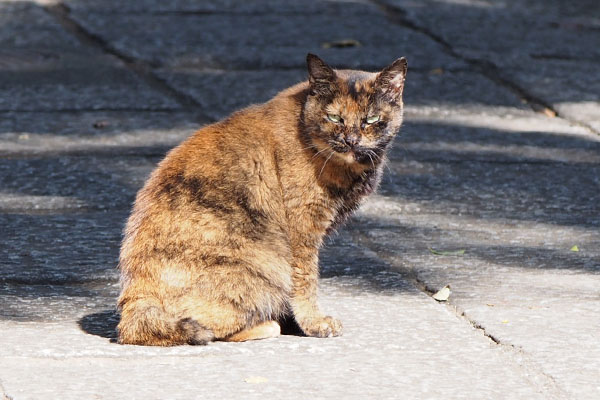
(264, 330)
(145, 322)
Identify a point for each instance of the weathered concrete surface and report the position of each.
(98, 132)
(516, 216)
(42, 67)
(548, 48)
(261, 40)
(410, 343)
(94, 93)
(434, 88)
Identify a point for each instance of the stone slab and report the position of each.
(31, 134)
(426, 351)
(25, 25)
(518, 280)
(65, 80)
(42, 67)
(572, 89)
(548, 49)
(262, 41)
(515, 194)
(510, 31)
(252, 7)
(438, 89)
(94, 183)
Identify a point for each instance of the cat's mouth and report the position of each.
(340, 147)
(352, 154)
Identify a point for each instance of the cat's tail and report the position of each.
(145, 322)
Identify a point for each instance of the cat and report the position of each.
(224, 237)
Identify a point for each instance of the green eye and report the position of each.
(372, 120)
(334, 118)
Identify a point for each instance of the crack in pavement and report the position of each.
(484, 67)
(531, 370)
(61, 13)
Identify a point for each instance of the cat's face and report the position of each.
(353, 116)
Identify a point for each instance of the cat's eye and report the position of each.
(334, 118)
(373, 119)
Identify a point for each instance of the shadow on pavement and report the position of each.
(50, 253)
(103, 323)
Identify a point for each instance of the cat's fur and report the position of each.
(224, 236)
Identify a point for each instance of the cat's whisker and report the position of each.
(377, 157)
(320, 151)
(312, 146)
(325, 163)
(384, 162)
(371, 158)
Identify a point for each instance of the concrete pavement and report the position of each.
(494, 180)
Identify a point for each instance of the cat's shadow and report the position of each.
(104, 324)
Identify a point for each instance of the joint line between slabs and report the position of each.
(484, 67)
(61, 13)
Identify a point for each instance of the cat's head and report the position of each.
(350, 115)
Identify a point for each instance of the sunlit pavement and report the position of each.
(493, 188)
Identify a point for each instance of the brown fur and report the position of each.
(224, 236)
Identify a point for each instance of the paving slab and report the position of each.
(435, 89)
(516, 211)
(262, 41)
(26, 25)
(550, 49)
(571, 88)
(493, 134)
(351, 366)
(31, 134)
(255, 7)
(45, 68)
(538, 29)
(83, 122)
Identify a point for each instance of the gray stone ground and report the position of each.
(499, 157)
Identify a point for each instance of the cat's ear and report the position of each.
(390, 81)
(320, 75)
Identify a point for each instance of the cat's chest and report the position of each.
(346, 198)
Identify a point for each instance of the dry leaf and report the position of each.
(549, 113)
(490, 304)
(575, 248)
(447, 253)
(341, 43)
(256, 379)
(436, 71)
(442, 294)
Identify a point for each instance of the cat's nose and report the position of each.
(351, 139)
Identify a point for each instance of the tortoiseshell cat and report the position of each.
(224, 237)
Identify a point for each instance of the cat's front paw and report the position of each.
(322, 327)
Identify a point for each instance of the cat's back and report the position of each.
(225, 174)
(248, 135)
